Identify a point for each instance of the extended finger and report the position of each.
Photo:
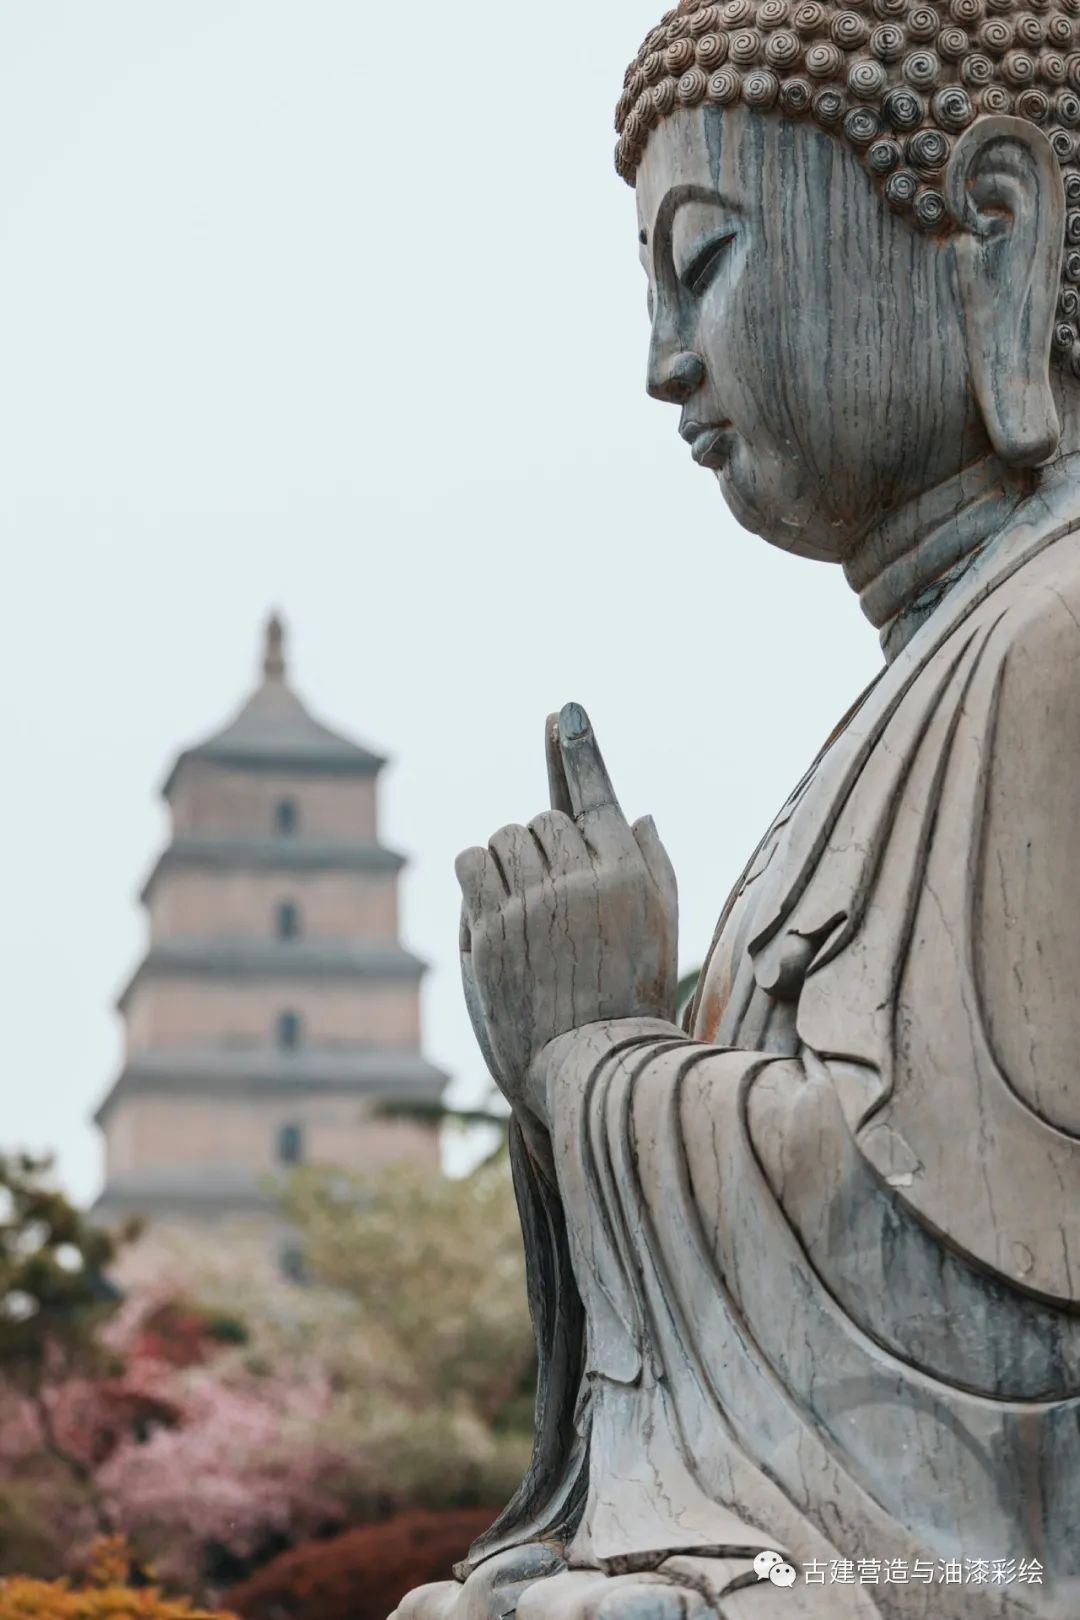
(588, 784)
(517, 856)
(596, 807)
(560, 842)
(481, 885)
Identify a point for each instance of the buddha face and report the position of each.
(813, 342)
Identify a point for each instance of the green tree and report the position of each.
(54, 1295)
(685, 991)
(434, 1269)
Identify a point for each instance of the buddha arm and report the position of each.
(581, 1052)
(984, 1082)
(1026, 916)
(983, 1096)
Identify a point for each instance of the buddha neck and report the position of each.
(909, 561)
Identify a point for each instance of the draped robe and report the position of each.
(807, 1274)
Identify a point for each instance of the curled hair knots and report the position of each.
(783, 50)
(921, 69)
(866, 80)
(773, 14)
(712, 50)
(725, 86)
(977, 70)
(884, 156)
(828, 107)
(923, 23)
(678, 57)
(692, 87)
(823, 60)
(903, 108)
(995, 99)
(808, 19)
(795, 96)
(929, 208)
(900, 190)
(928, 150)
(760, 88)
(849, 30)
(861, 126)
(887, 42)
(995, 36)
(952, 109)
(745, 47)
(953, 44)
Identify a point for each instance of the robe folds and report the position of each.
(806, 1276)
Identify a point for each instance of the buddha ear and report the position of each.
(1004, 191)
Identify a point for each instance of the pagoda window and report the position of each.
(290, 1144)
(286, 816)
(288, 1030)
(287, 920)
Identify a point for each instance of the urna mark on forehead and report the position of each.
(895, 81)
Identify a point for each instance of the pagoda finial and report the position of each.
(274, 656)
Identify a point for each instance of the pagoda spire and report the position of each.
(274, 654)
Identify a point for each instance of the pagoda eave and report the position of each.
(380, 1075)
(281, 761)
(294, 962)
(248, 854)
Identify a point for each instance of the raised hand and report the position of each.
(569, 920)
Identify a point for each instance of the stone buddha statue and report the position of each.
(805, 1268)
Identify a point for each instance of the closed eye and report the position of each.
(696, 276)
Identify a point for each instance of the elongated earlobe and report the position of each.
(1004, 192)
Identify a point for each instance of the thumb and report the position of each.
(655, 857)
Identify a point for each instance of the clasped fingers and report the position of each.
(518, 859)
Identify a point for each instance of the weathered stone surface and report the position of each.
(806, 1273)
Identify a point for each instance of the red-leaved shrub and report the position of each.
(362, 1574)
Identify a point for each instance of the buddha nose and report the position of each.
(674, 376)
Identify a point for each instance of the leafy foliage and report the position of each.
(685, 991)
(436, 1272)
(208, 1457)
(106, 1595)
(217, 1414)
(53, 1291)
(54, 1299)
(362, 1574)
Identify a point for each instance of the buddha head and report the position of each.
(861, 229)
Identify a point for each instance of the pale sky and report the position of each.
(336, 306)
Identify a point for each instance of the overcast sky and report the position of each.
(335, 305)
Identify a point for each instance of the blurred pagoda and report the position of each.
(275, 1013)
